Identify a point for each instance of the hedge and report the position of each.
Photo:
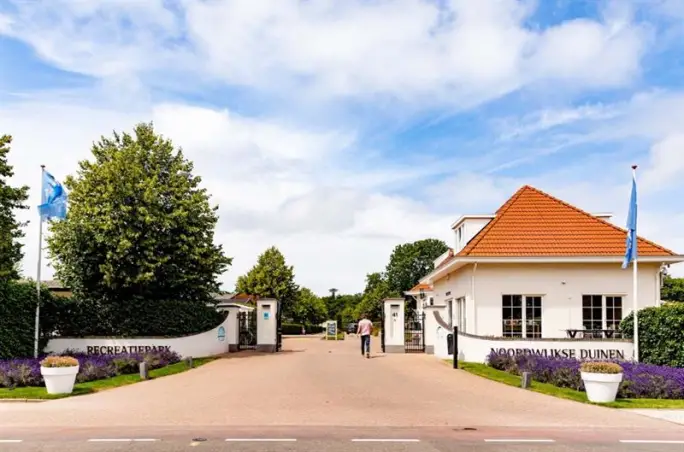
(17, 318)
(661, 334)
(135, 317)
(296, 328)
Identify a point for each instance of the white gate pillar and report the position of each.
(267, 325)
(232, 328)
(394, 325)
(431, 325)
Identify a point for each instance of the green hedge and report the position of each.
(296, 328)
(135, 317)
(661, 334)
(17, 318)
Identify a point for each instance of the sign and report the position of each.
(563, 353)
(221, 334)
(267, 315)
(116, 349)
(331, 329)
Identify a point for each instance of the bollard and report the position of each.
(188, 362)
(526, 380)
(455, 347)
(144, 371)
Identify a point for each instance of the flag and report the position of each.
(53, 198)
(631, 243)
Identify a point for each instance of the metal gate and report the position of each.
(247, 328)
(382, 329)
(414, 328)
(279, 326)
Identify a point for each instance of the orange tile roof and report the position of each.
(419, 287)
(535, 224)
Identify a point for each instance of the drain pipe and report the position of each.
(472, 293)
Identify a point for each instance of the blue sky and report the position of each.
(338, 129)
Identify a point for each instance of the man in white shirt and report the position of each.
(364, 330)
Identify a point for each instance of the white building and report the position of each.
(541, 268)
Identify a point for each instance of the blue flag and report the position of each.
(631, 244)
(53, 198)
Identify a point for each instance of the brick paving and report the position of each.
(319, 383)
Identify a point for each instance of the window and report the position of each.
(459, 236)
(519, 322)
(460, 314)
(601, 312)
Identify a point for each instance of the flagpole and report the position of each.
(635, 284)
(36, 336)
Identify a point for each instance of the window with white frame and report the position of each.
(521, 316)
(461, 314)
(601, 312)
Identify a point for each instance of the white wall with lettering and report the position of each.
(209, 343)
(476, 349)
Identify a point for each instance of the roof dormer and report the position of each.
(466, 227)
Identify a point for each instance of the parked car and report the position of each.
(351, 328)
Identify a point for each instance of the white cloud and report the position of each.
(459, 52)
(264, 176)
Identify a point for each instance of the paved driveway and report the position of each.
(318, 383)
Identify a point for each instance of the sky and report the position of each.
(338, 129)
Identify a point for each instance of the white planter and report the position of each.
(59, 380)
(601, 388)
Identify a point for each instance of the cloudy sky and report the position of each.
(337, 129)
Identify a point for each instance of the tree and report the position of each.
(673, 288)
(11, 198)
(309, 309)
(377, 289)
(411, 261)
(139, 226)
(271, 278)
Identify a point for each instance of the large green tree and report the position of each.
(271, 277)
(139, 224)
(411, 261)
(673, 288)
(309, 309)
(377, 289)
(11, 199)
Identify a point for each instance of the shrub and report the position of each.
(59, 361)
(600, 368)
(661, 334)
(639, 380)
(17, 316)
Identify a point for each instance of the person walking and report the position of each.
(364, 330)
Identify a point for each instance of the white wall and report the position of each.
(458, 284)
(471, 226)
(267, 328)
(198, 345)
(476, 349)
(561, 287)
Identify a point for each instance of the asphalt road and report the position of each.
(333, 439)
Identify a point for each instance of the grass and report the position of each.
(39, 393)
(340, 337)
(482, 370)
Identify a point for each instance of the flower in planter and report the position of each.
(601, 368)
(59, 361)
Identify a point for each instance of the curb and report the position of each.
(23, 400)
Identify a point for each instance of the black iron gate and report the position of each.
(279, 326)
(414, 328)
(247, 327)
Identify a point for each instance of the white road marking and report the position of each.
(266, 440)
(519, 440)
(6, 441)
(385, 440)
(651, 441)
(122, 440)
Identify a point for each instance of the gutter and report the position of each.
(472, 292)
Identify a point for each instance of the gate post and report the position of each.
(267, 325)
(233, 329)
(394, 325)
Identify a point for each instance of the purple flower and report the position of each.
(26, 371)
(639, 380)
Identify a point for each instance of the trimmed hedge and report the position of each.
(661, 334)
(292, 329)
(17, 318)
(135, 317)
